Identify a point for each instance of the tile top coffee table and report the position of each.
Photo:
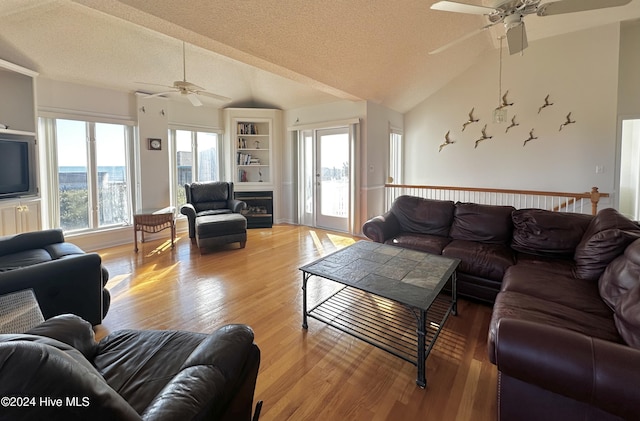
(392, 297)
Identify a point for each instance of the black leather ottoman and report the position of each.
(216, 230)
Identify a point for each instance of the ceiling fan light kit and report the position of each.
(512, 13)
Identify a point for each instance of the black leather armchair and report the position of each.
(129, 375)
(64, 278)
(209, 198)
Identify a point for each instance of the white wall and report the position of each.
(580, 72)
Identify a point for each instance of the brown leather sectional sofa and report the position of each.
(565, 288)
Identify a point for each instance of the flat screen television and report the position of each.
(17, 166)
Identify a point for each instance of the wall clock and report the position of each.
(155, 144)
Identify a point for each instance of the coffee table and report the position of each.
(392, 298)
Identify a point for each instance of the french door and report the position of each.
(326, 181)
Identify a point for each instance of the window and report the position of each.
(197, 158)
(395, 156)
(91, 186)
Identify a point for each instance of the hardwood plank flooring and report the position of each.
(319, 374)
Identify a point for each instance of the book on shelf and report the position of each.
(247, 128)
(243, 158)
(242, 176)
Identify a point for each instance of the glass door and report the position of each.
(332, 184)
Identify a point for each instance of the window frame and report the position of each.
(48, 130)
(195, 165)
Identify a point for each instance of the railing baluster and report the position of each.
(556, 201)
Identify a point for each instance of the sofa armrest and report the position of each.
(69, 285)
(590, 370)
(30, 240)
(382, 227)
(237, 205)
(71, 330)
(216, 381)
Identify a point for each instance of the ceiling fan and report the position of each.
(188, 89)
(512, 12)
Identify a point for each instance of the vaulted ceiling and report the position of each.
(277, 53)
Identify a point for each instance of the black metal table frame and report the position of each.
(421, 322)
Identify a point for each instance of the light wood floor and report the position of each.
(319, 374)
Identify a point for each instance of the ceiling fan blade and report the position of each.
(193, 98)
(210, 95)
(516, 38)
(571, 6)
(155, 84)
(160, 94)
(452, 6)
(462, 38)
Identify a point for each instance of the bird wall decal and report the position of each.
(546, 104)
(471, 119)
(505, 102)
(531, 137)
(567, 122)
(484, 136)
(513, 124)
(447, 141)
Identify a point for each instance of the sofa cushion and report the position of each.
(627, 317)
(555, 287)
(422, 242)
(484, 223)
(607, 219)
(621, 275)
(606, 237)
(516, 305)
(480, 259)
(546, 233)
(561, 266)
(594, 253)
(138, 376)
(424, 216)
(23, 258)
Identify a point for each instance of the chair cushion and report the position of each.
(484, 223)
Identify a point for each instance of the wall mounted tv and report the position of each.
(17, 166)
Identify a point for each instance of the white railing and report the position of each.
(519, 199)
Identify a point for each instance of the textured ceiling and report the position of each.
(278, 53)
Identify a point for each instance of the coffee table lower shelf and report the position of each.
(385, 324)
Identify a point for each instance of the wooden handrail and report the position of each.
(594, 195)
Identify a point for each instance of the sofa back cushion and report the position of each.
(619, 287)
(607, 236)
(547, 233)
(423, 216)
(483, 223)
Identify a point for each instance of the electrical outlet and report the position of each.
(599, 169)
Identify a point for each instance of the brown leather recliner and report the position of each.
(58, 371)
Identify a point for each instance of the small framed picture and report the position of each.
(155, 144)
